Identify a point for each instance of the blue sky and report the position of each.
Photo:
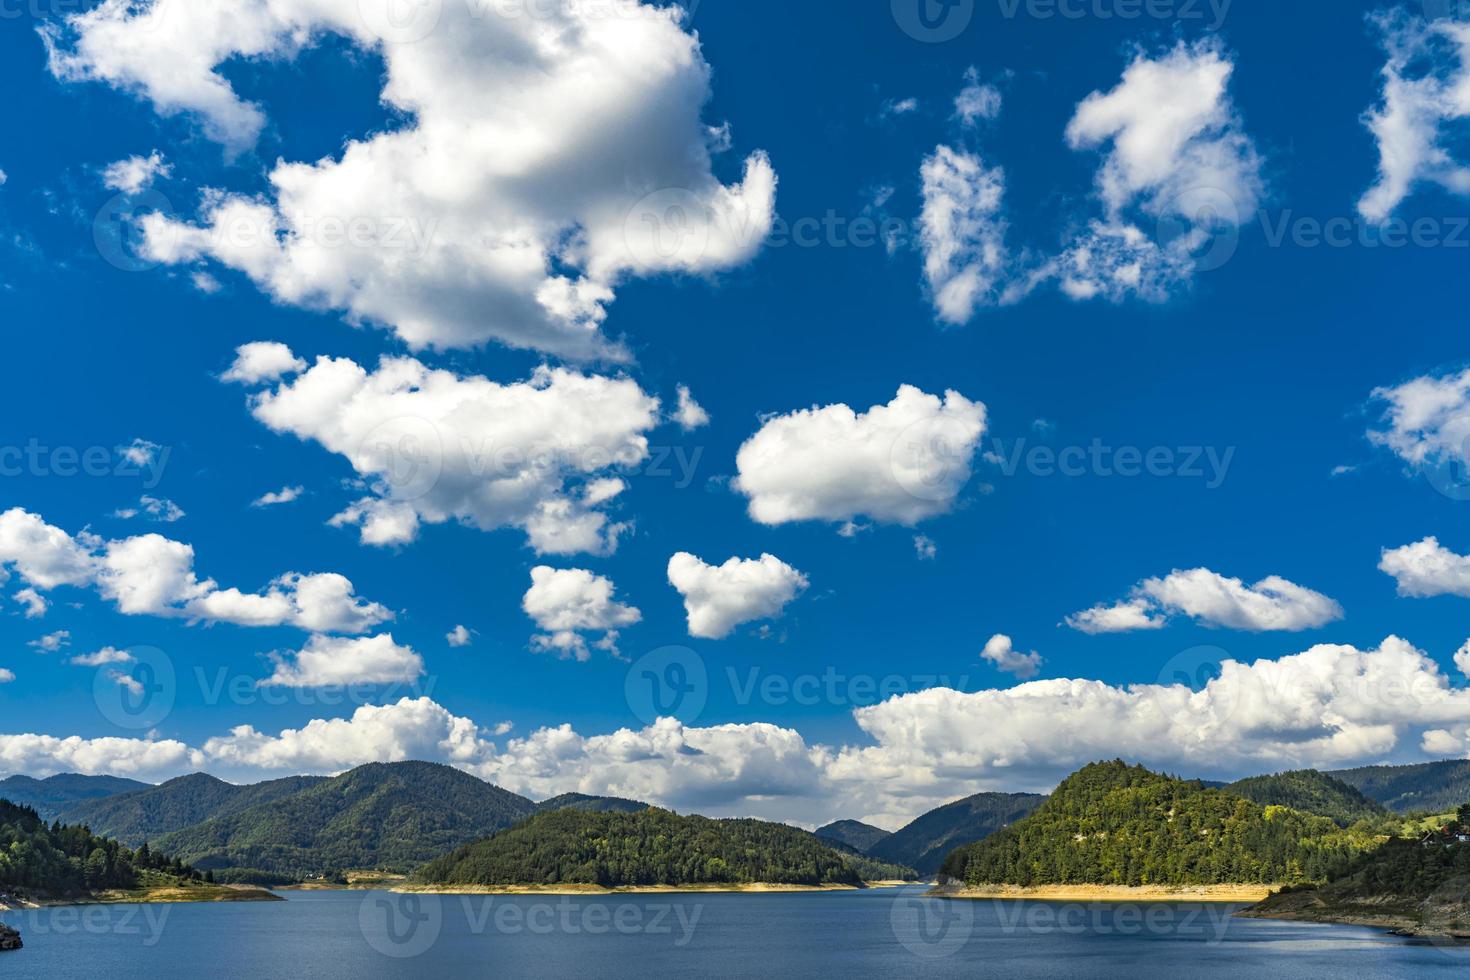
(1269, 360)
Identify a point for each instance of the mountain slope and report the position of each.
(652, 847)
(158, 810)
(580, 801)
(1433, 787)
(49, 797)
(925, 843)
(1114, 824)
(1310, 792)
(855, 834)
(390, 817)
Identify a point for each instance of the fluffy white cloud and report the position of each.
(566, 603)
(103, 657)
(690, 414)
(157, 509)
(1213, 600)
(285, 495)
(411, 729)
(1426, 90)
(718, 599)
(1428, 419)
(977, 101)
(925, 547)
(1123, 617)
(1176, 160)
(47, 755)
(438, 447)
(1427, 569)
(1327, 707)
(962, 233)
(333, 661)
(262, 360)
(1000, 651)
(52, 642)
(140, 452)
(899, 463)
(136, 173)
(460, 636)
(7, 676)
(1462, 659)
(154, 576)
(1172, 130)
(545, 159)
(35, 603)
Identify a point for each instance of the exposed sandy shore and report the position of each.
(1405, 918)
(1110, 893)
(757, 888)
(152, 896)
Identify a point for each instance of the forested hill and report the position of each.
(52, 861)
(1429, 787)
(1114, 824)
(853, 833)
(581, 801)
(154, 811)
(928, 840)
(50, 796)
(1311, 792)
(652, 847)
(385, 816)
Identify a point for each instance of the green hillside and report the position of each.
(927, 841)
(1114, 824)
(49, 797)
(389, 817)
(151, 813)
(1311, 792)
(49, 861)
(855, 834)
(1430, 787)
(580, 801)
(652, 847)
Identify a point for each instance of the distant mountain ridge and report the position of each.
(926, 842)
(1431, 787)
(50, 796)
(581, 801)
(1310, 791)
(151, 813)
(383, 816)
(853, 833)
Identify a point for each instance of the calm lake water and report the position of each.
(877, 933)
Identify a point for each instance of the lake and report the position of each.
(883, 932)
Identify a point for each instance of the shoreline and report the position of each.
(1225, 894)
(203, 894)
(1397, 920)
(754, 888)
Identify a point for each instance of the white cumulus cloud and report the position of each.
(136, 173)
(436, 447)
(1000, 652)
(1213, 600)
(262, 360)
(332, 661)
(720, 598)
(899, 463)
(1426, 569)
(569, 603)
(543, 159)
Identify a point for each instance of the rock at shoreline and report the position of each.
(9, 938)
